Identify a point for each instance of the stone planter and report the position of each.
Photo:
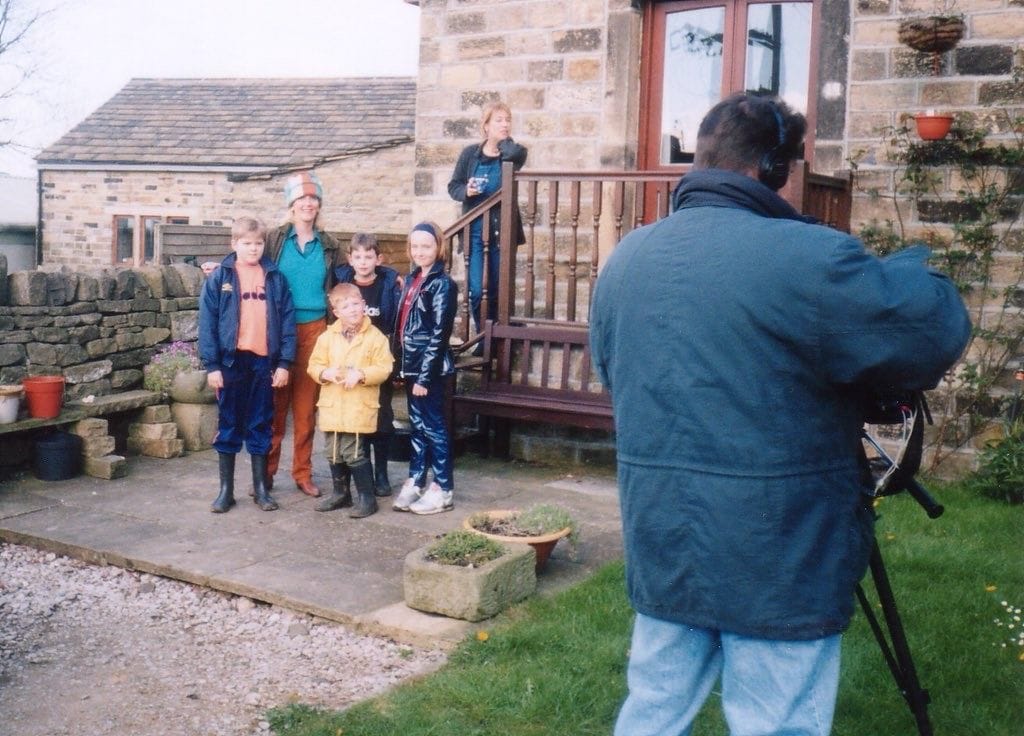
(469, 593)
(197, 424)
(194, 410)
(190, 388)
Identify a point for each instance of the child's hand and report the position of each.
(419, 389)
(353, 377)
(215, 380)
(280, 378)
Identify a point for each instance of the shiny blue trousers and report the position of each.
(245, 405)
(769, 687)
(430, 443)
(476, 274)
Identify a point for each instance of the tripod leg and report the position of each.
(898, 657)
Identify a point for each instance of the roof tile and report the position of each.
(268, 122)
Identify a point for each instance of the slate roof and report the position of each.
(277, 123)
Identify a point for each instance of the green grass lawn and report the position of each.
(557, 666)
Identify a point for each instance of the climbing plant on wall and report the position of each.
(962, 196)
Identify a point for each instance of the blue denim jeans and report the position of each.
(476, 274)
(769, 688)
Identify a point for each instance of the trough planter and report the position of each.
(469, 593)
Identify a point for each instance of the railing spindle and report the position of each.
(595, 246)
(549, 296)
(574, 203)
(530, 276)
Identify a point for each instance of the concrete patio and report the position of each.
(157, 520)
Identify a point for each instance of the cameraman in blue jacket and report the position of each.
(743, 336)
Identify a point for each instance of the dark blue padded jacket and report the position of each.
(736, 339)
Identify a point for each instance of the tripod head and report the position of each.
(892, 475)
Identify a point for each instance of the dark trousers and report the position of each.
(430, 444)
(245, 405)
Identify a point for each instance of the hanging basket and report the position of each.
(932, 35)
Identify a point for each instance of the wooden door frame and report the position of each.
(652, 52)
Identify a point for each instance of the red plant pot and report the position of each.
(933, 127)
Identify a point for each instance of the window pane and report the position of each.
(692, 80)
(124, 232)
(147, 245)
(779, 51)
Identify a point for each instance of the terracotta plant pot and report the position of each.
(542, 544)
(933, 127)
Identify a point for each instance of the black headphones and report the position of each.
(773, 169)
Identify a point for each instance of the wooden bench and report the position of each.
(538, 372)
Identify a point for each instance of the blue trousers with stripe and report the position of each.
(246, 405)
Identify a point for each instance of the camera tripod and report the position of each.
(895, 476)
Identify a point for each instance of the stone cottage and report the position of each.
(200, 151)
(622, 84)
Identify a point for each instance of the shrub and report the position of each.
(1000, 472)
(171, 360)
(464, 548)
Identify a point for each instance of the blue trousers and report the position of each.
(245, 405)
(476, 274)
(769, 688)
(430, 444)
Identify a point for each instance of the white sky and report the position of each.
(84, 51)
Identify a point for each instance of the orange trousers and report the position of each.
(300, 395)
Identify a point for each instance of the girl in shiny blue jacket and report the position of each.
(425, 321)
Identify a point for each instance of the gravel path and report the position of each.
(101, 651)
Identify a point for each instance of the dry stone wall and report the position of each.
(96, 328)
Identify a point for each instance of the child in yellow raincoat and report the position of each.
(350, 361)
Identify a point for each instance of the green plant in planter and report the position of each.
(464, 548)
(170, 360)
(533, 521)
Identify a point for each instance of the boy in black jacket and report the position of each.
(381, 288)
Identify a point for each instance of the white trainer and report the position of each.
(433, 501)
(409, 494)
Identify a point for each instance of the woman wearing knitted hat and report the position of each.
(306, 256)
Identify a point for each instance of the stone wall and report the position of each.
(97, 329)
(889, 81)
(371, 192)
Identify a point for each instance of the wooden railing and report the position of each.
(572, 221)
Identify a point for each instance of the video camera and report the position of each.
(891, 475)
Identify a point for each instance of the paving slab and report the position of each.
(157, 519)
